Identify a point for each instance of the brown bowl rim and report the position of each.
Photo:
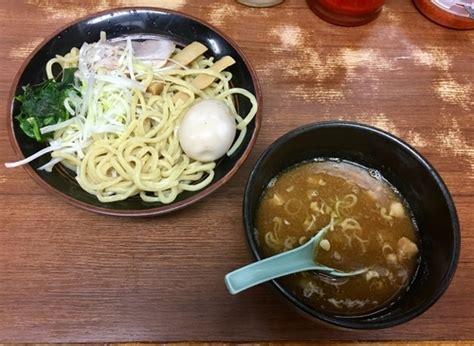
(152, 211)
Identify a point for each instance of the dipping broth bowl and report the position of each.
(407, 170)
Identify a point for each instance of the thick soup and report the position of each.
(371, 227)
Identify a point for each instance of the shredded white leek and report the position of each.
(52, 147)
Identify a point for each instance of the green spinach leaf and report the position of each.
(43, 104)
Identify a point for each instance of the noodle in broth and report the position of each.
(371, 227)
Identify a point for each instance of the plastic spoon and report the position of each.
(293, 261)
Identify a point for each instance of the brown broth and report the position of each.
(372, 228)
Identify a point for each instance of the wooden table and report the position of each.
(69, 275)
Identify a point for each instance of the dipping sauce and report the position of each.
(372, 227)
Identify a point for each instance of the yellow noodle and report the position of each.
(146, 158)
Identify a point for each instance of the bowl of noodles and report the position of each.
(134, 111)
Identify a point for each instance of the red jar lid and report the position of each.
(455, 14)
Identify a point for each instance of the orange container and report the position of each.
(452, 14)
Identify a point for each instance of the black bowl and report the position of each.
(408, 171)
(176, 26)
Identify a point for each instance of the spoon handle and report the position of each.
(273, 267)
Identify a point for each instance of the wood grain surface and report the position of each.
(67, 275)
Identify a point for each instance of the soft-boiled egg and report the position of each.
(207, 130)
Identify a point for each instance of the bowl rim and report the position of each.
(347, 321)
(167, 208)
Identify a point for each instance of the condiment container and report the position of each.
(347, 12)
(455, 14)
(260, 3)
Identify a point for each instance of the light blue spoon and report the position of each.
(293, 261)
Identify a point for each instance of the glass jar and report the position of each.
(260, 3)
(347, 12)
